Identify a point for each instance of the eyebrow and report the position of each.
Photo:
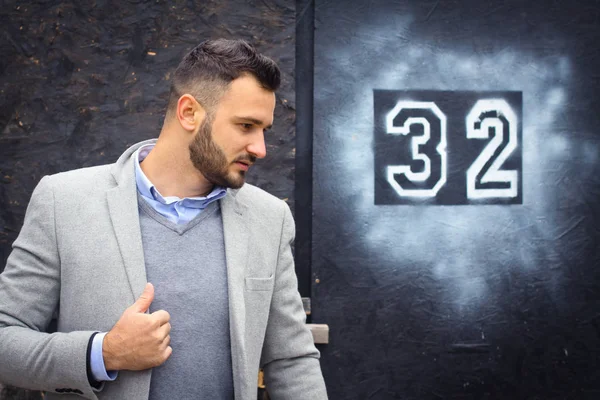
(254, 121)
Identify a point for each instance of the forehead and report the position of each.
(246, 97)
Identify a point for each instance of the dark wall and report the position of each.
(425, 298)
(81, 81)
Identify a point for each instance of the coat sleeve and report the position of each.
(290, 359)
(29, 295)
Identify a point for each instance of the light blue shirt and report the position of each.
(175, 209)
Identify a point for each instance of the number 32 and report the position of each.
(485, 178)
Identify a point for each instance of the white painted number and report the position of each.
(497, 116)
(485, 178)
(430, 147)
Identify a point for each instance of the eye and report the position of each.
(246, 127)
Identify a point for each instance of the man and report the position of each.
(169, 276)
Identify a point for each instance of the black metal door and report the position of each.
(475, 274)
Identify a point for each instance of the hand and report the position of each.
(138, 340)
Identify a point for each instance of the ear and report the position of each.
(190, 113)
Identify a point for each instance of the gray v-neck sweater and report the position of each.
(186, 265)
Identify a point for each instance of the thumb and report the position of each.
(142, 304)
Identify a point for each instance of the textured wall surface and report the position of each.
(471, 301)
(80, 81)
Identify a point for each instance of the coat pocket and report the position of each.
(260, 284)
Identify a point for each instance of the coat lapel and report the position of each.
(124, 214)
(125, 218)
(235, 230)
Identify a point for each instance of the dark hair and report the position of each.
(206, 71)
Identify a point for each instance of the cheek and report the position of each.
(232, 147)
(228, 151)
(229, 140)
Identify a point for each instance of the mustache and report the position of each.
(248, 158)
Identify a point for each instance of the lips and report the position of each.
(245, 161)
(243, 165)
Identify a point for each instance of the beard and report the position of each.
(211, 161)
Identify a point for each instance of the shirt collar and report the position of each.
(147, 189)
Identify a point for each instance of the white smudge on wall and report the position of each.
(460, 244)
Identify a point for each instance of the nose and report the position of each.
(257, 147)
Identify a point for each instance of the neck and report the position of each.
(169, 168)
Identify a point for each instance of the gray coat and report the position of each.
(79, 257)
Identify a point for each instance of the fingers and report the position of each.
(142, 304)
(164, 331)
(168, 350)
(143, 339)
(166, 342)
(161, 316)
(167, 353)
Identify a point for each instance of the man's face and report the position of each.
(230, 141)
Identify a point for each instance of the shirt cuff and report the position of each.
(99, 371)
